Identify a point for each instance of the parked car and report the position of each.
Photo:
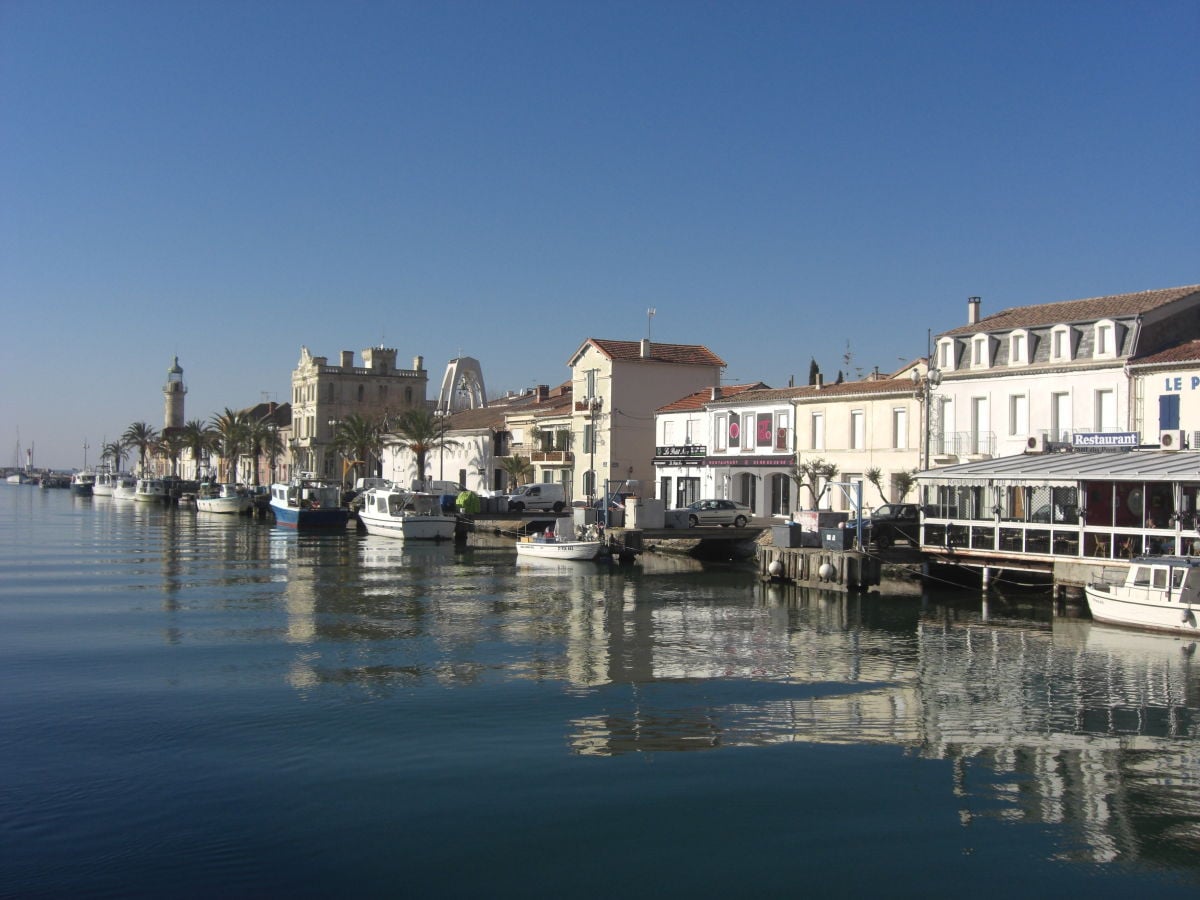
(890, 523)
(538, 497)
(718, 512)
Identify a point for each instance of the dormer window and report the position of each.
(945, 355)
(981, 356)
(1018, 348)
(1104, 340)
(1060, 344)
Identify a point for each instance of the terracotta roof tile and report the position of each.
(700, 399)
(1067, 311)
(677, 354)
(1187, 352)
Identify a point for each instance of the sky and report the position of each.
(227, 182)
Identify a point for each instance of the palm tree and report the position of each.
(517, 468)
(360, 440)
(198, 438)
(142, 436)
(114, 451)
(420, 431)
(231, 435)
(171, 444)
(267, 442)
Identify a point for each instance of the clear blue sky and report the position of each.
(227, 181)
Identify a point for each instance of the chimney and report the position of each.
(645, 348)
(347, 359)
(820, 381)
(543, 393)
(418, 363)
(972, 310)
(715, 393)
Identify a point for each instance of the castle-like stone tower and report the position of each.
(173, 393)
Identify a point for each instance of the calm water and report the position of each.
(198, 706)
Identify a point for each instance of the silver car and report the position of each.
(718, 512)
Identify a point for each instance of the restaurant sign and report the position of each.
(1104, 440)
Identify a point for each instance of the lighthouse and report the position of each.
(173, 393)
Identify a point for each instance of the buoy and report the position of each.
(776, 568)
(826, 572)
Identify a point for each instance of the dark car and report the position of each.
(892, 522)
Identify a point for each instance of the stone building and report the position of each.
(324, 394)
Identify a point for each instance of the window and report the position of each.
(1060, 343)
(899, 428)
(589, 438)
(1018, 349)
(1060, 417)
(668, 432)
(720, 429)
(748, 431)
(1018, 415)
(1105, 340)
(781, 495)
(979, 352)
(858, 432)
(818, 431)
(590, 389)
(946, 355)
(781, 431)
(1168, 411)
(981, 425)
(689, 428)
(1106, 410)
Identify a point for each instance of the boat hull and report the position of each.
(228, 505)
(1159, 593)
(1177, 618)
(410, 528)
(581, 550)
(325, 517)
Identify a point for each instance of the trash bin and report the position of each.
(789, 535)
(837, 538)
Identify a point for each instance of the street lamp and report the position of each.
(925, 384)
(441, 417)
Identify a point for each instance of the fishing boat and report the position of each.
(105, 483)
(561, 542)
(1161, 593)
(151, 490)
(230, 499)
(407, 515)
(82, 483)
(306, 502)
(125, 487)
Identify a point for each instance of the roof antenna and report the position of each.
(649, 317)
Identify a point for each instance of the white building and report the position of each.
(1031, 376)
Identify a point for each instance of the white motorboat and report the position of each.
(125, 487)
(561, 542)
(1157, 592)
(150, 490)
(407, 515)
(105, 483)
(230, 499)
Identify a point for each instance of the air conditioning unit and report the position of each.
(1037, 443)
(1171, 440)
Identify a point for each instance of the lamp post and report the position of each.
(925, 384)
(441, 417)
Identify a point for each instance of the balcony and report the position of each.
(552, 457)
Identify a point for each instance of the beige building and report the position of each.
(859, 426)
(324, 394)
(616, 387)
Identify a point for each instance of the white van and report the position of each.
(538, 497)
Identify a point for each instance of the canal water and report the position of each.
(198, 706)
